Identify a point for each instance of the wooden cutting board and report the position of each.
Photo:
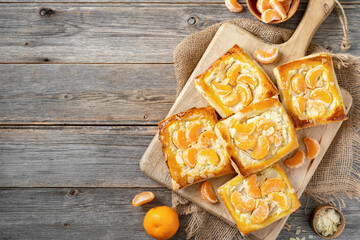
(153, 164)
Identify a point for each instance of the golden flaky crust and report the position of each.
(244, 224)
(283, 74)
(179, 181)
(265, 87)
(222, 130)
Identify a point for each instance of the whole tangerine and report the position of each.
(161, 222)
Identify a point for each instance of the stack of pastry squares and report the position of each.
(254, 133)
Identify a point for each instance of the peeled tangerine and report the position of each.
(312, 147)
(241, 202)
(245, 142)
(321, 94)
(312, 76)
(315, 109)
(279, 8)
(295, 161)
(260, 213)
(272, 185)
(206, 137)
(247, 79)
(270, 15)
(251, 187)
(263, 5)
(262, 148)
(280, 199)
(263, 124)
(300, 105)
(207, 193)
(210, 155)
(179, 139)
(244, 93)
(143, 198)
(233, 5)
(276, 139)
(190, 157)
(266, 56)
(193, 131)
(244, 128)
(298, 83)
(233, 73)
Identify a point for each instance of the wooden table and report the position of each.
(83, 85)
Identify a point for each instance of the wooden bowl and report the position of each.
(293, 8)
(340, 227)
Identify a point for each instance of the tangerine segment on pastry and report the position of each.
(191, 149)
(309, 91)
(253, 210)
(295, 161)
(312, 147)
(207, 193)
(257, 136)
(233, 82)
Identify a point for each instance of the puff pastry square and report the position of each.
(310, 91)
(191, 149)
(233, 82)
(259, 199)
(257, 136)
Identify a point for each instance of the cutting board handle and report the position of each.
(316, 12)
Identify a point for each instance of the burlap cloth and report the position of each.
(337, 175)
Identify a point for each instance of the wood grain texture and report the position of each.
(74, 33)
(74, 156)
(86, 93)
(106, 213)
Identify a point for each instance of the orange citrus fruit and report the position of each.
(244, 128)
(263, 124)
(312, 147)
(270, 15)
(210, 155)
(142, 198)
(241, 202)
(280, 199)
(321, 94)
(233, 73)
(298, 83)
(300, 105)
(233, 6)
(263, 5)
(286, 4)
(161, 222)
(179, 139)
(295, 161)
(262, 148)
(279, 8)
(206, 137)
(266, 56)
(245, 142)
(190, 157)
(247, 79)
(315, 109)
(276, 139)
(251, 187)
(207, 193)
(244, 93)
(260, 213)
(193, 131)
(272, 185)
(312, 76)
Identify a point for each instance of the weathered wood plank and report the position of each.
(131, 33)
(74, 156)
(106, 213)
(86, 93)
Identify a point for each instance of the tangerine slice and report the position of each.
(241, 202)
(221, 89)
(244, 128)
(315, 109)
(266, 56)
(247, 79)
(206, 137)
(190, 157)
(233, 73)
(263, 124)
(142, 198)
(279, 8)
(246, 142)
(251, 187)
(231, 99)
(210, 155)
(233, 6)
(276, 139)
(263, 5)
(260, 213)
(270, 15)
(272, 185)
(321, 94)
(286, 4)
(280, 199)
(207, 193)
(300, 104)
(312, 147)
(244, 93)
(312, 76)
(262, 148)
(298, 83)
(295, 161)
(179, 139)
(193, 131)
